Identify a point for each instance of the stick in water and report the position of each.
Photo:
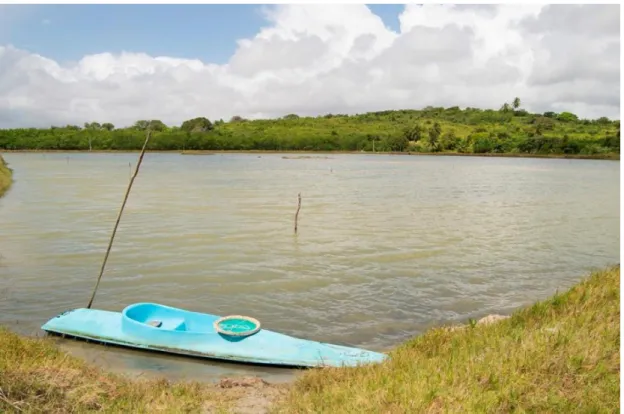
(110, 243)
(297, 213)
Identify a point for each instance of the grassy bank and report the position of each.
(560, 355)
(36, 377)
(6, 177)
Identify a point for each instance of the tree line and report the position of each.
(509, 129)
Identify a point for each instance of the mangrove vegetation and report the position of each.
(508, 130)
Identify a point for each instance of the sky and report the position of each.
(70, 64)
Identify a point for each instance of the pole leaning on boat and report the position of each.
(123, 204)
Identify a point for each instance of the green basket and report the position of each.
(237, 325)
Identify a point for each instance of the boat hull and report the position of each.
(192, 334)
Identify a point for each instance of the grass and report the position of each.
(560, 355)
(37, 377)
(6, 176)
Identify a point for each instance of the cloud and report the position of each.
(319, 59)
(576, 58)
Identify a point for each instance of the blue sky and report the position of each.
(207, 32)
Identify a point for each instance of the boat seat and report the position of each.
(170, 324)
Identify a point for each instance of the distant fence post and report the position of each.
(297, 213)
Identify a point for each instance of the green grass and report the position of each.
(560, 355)
(6, 177)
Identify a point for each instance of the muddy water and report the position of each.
(387, 245)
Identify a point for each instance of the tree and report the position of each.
(505, 108)
(397, 143)
(157, 125)
(516, 103)
(141, 125)
(543, 123)
(413, 133)
(448, 141)
(154, 125)
(567, 117)
(434, 136)
(200, 124)
(374, 138)
(89, 127)
(108, 126)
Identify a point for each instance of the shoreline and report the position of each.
(453, 359)
(6, 177)
(602, 157)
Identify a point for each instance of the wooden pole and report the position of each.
(297, 213)
(110, 243)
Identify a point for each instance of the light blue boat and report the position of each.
(235, 338)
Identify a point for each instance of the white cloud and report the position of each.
(321, 59)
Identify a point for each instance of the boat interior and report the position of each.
(166, 318)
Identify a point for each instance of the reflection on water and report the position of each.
(386, 246)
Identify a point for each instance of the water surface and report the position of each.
(386, 247)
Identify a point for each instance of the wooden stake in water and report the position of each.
(110, 243)
(297, 213)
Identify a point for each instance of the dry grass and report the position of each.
(5, 177)
(35, 376)
(560, 355)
